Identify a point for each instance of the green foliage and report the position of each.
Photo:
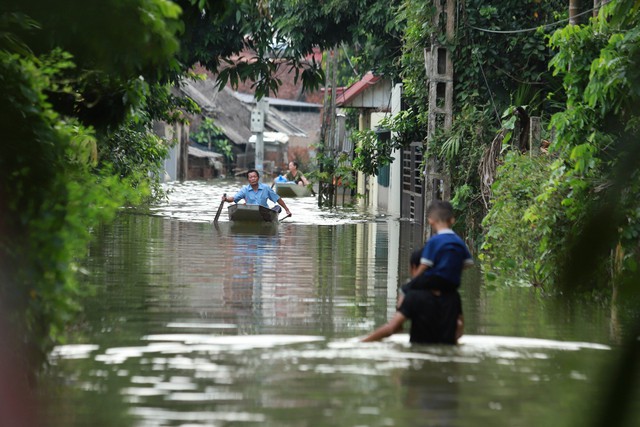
(493, 65)
(492, 72)
(405, 127)
(230, 28)
(417, 37)
(488, 67)
(372, 28)
(81, 85)
(132, 152)
(109, 43)
(76, 111)
(52, 201)
(371, 152)
(597, 134)
(586, 210)
(510, 238)
(332, 171)
(210, 134)
(460, 150)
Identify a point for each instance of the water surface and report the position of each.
(194, 324)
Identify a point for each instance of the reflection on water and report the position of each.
(197, 325)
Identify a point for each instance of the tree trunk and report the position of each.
(574, 9)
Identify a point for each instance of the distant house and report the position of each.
(231, 112)
(302, 108)
(303, 115)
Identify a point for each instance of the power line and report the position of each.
(526, 30)
(486, 82)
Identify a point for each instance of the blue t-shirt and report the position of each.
(446, 256)
(256, 197)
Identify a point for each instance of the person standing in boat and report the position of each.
(257, 193)
(295, 175)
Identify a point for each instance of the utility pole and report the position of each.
(327, 131)
(258, 117)
(439, 72)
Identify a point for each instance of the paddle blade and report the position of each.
(220, 208)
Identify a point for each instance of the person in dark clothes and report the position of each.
(431, 299)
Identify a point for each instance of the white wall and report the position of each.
(395, 174)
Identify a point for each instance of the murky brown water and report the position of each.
(196, 325)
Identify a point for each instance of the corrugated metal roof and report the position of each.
(232, 115)
(248, 98)
(354, 95)
(198, 152)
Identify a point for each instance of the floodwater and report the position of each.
(193, 324)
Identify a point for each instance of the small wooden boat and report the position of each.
(252, 213)
(246, 228)
(289, 189)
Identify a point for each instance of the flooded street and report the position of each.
(194, 324)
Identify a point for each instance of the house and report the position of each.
(302, 108)
(375, 98)
(303, 115)
(231, 112)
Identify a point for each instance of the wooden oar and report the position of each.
(286, 216)
(224, 198)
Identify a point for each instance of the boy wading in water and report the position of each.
(431, 299)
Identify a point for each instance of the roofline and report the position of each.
(250, 99)
(357, 88)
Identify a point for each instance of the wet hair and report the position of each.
(414, 260)
(253, 170)
(439, 210)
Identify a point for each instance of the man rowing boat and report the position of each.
(257, 193)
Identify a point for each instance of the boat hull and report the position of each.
(286, 189)
(252, 213)
(245, 228)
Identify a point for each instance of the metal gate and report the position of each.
(412, 183)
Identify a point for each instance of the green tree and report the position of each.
(65, 79)
(591, 198)
(509, 240)
(372, 29)
(211, 135)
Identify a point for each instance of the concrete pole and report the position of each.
(260, 152)
(258, 118)
(395, 171)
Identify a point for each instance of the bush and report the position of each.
(511, 241)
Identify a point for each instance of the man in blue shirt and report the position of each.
(256, 193)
